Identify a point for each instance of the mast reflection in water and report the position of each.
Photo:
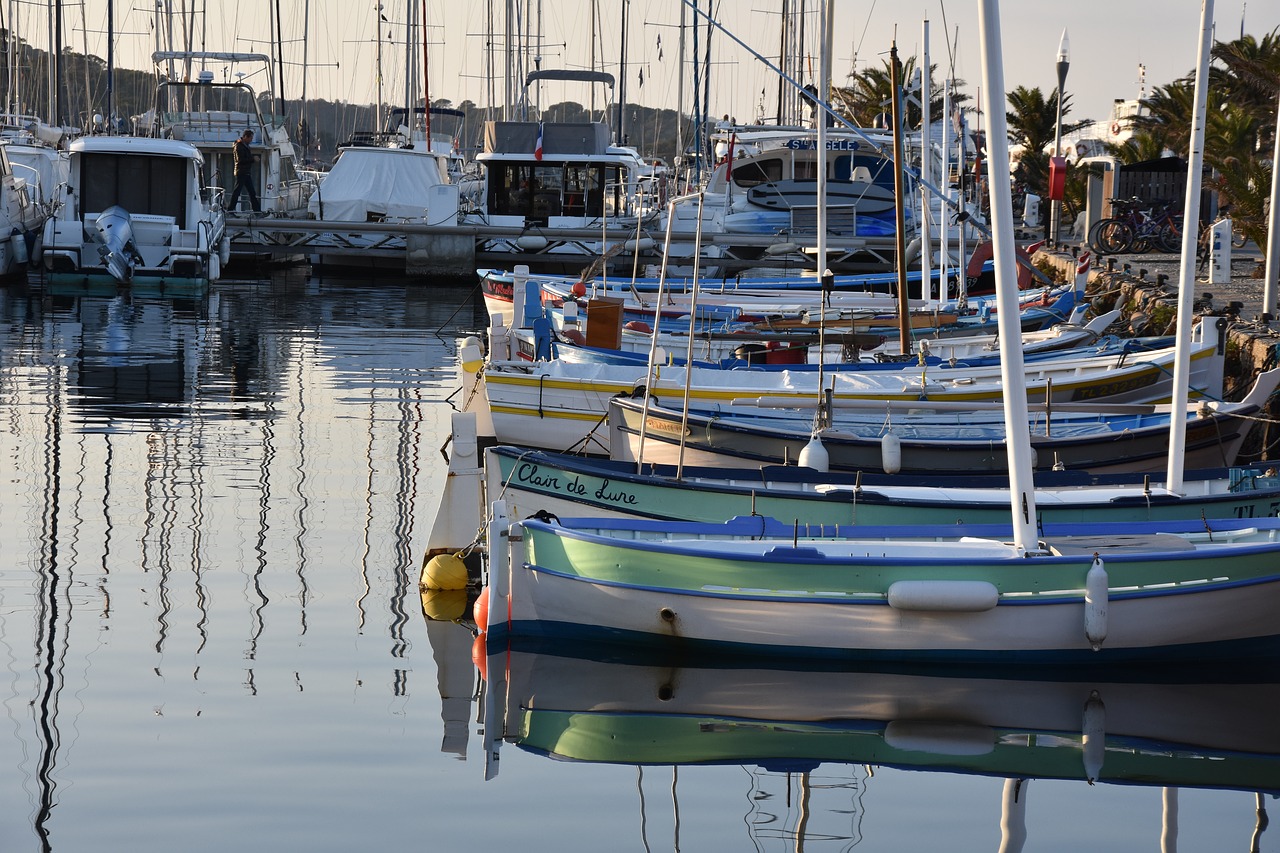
(192, 487)
(212, 516)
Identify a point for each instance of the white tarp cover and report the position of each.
(50, 168)
(368, 184)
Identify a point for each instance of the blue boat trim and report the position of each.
(1264, 650)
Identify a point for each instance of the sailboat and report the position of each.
(1023, 592)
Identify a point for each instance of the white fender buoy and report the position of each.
(815, 456)
(1093, 727)
(531, 242)
(1095, 604)
(471, 355)
(18, 242)
(643, 244)
(890, 453)
(782, 248)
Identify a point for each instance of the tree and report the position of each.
(1033, 120)
(869, 95)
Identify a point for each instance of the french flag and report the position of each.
(537, 147)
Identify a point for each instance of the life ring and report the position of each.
(1115, 128)
(985, 252)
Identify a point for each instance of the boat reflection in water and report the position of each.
(1161, 729)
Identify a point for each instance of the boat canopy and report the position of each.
(558, 138)
(370, 184)
(569, 77)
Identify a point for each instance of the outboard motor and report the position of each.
(114, 229)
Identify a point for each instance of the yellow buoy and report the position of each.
(445, 571)
(444, 605)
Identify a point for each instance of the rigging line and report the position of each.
(951, 56)
(857, 48)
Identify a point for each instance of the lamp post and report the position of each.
(1064, 62)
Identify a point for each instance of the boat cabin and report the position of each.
(545, 173)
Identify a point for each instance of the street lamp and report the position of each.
(1064, 62)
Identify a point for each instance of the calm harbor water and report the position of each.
(212, 516)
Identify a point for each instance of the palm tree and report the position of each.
(868, 96)
(1033, 122)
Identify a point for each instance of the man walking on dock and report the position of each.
(244, 172)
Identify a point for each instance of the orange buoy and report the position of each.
(480, 656)
(480, 610)
(638, 326)
(579, 289)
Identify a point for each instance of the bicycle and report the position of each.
(1133, 229)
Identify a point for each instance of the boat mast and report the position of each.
(426, 81)
(278, 97)
(1186, 281)
(622, 78)
(899, 200)
(111, 65)
(377, 22)
(926, 167)
(410, 66)
(1022, 495)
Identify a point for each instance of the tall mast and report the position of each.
(378, 20)
(426, 80)
(622, 79)
(1186, 281)
(1022, 494)
(111, 65)
(279, 95)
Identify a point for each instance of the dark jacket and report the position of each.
(243, 158)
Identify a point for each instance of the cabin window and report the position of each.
(517, 189)
(805, 170)
(538, 192)
(615, 191)
(751, 174)
(138, 183)
(583, 190)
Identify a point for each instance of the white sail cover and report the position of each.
(372, 184)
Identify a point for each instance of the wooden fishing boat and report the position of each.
(558, 405)
(567, 485)
(1098, 593)
(938, 438)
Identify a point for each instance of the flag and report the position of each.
(537, 146)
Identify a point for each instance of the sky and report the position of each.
(338, 41)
